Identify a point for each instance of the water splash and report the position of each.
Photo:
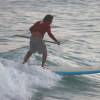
(19, 82)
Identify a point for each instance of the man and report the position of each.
(37, 44)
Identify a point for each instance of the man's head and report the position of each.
(48, 18)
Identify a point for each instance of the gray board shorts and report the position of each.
(37, 45)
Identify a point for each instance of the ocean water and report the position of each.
(76, 25)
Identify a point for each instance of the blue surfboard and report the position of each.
(75, 70)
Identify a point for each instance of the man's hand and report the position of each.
(58, 42)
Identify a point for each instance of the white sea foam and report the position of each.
(19, 82)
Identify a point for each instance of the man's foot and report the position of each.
(45, 67)
(23, 62)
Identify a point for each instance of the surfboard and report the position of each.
(61, 70)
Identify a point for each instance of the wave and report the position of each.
(20, 82)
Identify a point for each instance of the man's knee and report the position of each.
(30, 52)
(45, 53)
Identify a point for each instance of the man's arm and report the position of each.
(31, 29)
(52, 36)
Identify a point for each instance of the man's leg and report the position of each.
(44, 57)
(28, 55)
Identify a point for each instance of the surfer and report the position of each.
(37, 44)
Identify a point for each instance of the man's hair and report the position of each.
(48, 18)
